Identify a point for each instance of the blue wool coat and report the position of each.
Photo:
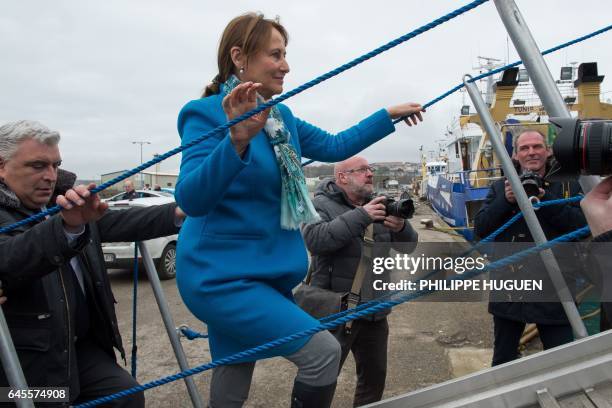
(236, 267)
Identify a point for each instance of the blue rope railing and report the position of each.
(517, 63)
(379, 306)
(55, 209)
(509, 260)
(260, 108)
(190, 334)
(519, 215)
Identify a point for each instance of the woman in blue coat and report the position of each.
(240, 252)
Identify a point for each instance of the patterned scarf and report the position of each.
(296, 207)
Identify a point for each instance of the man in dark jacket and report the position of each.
(509, 318)
(60, 307)
(334, 242)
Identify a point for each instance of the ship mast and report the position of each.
(488, 64)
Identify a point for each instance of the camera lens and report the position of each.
(583, 147)
(401, 208)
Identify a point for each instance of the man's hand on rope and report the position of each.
(80, 206)
(597, 207)
(242, 99)
(409, 111)
(2, 298)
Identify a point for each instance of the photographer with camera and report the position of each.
(533, 159)
(346, 208)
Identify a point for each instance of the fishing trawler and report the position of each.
(457, 181)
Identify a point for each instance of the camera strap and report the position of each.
(354, 295)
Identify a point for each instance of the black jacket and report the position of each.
(41, 286)
(335, 241)
(555, 220)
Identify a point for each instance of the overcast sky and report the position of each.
(107, 73)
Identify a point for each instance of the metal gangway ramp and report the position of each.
(576, 375)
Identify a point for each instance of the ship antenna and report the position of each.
(488, 64)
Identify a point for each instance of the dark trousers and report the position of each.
(604, 318)
(508, 335)
(100, 375)
(368, 342)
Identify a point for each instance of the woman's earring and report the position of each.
(242, 70)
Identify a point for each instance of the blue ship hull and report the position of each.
(456, 202)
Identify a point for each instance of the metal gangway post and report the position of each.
(536, 67)
(196, 399)
(552, 267)
(10, 363)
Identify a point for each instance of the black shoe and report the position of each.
(309, 396)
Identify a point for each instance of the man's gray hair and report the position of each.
(13, 133)
(519, 130)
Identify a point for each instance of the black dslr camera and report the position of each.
(532, 183)
(398, 208)
(583, 147)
